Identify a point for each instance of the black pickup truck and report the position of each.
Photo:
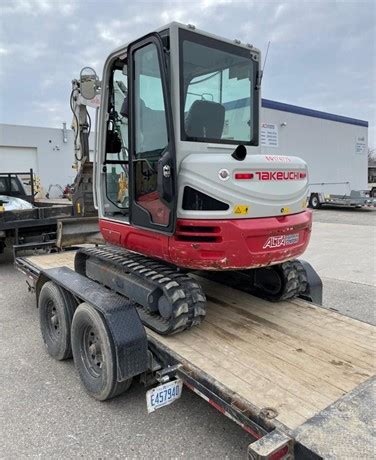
(34, 226)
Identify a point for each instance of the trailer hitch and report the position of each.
(164, 375)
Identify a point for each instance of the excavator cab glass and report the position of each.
(217, 86)
(116, 158)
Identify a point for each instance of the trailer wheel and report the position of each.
(56, 309)
(314, 201)
(94, 354)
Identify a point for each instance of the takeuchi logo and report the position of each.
(280, 175)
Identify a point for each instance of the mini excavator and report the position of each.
(179, 181)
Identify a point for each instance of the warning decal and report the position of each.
(241, 209)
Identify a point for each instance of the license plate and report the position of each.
(163, 395)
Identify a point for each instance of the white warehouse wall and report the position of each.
(330, 148)
(54, 158)
(43, 149)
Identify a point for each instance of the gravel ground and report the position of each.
(45, 413)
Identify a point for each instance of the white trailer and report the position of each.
(334, 147)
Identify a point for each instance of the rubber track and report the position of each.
(184, 293)
(292, 273)
(295, 280)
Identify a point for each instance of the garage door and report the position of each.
(18, 159)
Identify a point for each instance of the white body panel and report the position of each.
(263, 198)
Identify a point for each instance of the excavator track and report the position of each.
(275, 283)
(181, 301)
(292, 282)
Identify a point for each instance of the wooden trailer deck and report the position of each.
(291, 358)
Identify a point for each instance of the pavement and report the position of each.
(343, 251)
(45, 413)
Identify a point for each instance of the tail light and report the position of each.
(243, 176)
(280, 454)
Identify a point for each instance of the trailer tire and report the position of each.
(94, 354)
(56, 309)
(314, 201)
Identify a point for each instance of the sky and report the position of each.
(322, 53)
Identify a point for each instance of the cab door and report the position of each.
(152, 171)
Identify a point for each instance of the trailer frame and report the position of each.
(272, 439)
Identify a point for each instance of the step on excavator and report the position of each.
(180, 183)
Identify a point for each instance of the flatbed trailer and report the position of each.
(300, 379)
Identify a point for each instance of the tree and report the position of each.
(371, 154)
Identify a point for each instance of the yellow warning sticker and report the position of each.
(285, 210)
(241, 209)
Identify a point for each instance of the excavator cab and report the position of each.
(165, 96)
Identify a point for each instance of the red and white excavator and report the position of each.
(179, 181)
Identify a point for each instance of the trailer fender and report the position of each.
(313, 292)
(42, 279)
(120, 314)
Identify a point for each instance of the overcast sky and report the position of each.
(322, 53)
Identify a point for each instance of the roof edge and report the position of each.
(281, 106)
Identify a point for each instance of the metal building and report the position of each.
(48, 151)
(334, 147)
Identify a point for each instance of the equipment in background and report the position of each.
(26, 223)
(82, 188)
(355, 198)
(179, 180)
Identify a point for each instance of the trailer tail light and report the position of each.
(273, 446)
(243, 176)
(280, 454)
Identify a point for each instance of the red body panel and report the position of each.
(218, 244)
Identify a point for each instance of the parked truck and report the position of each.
(26, 223)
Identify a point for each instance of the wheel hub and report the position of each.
(92, 352)
(53, 323)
